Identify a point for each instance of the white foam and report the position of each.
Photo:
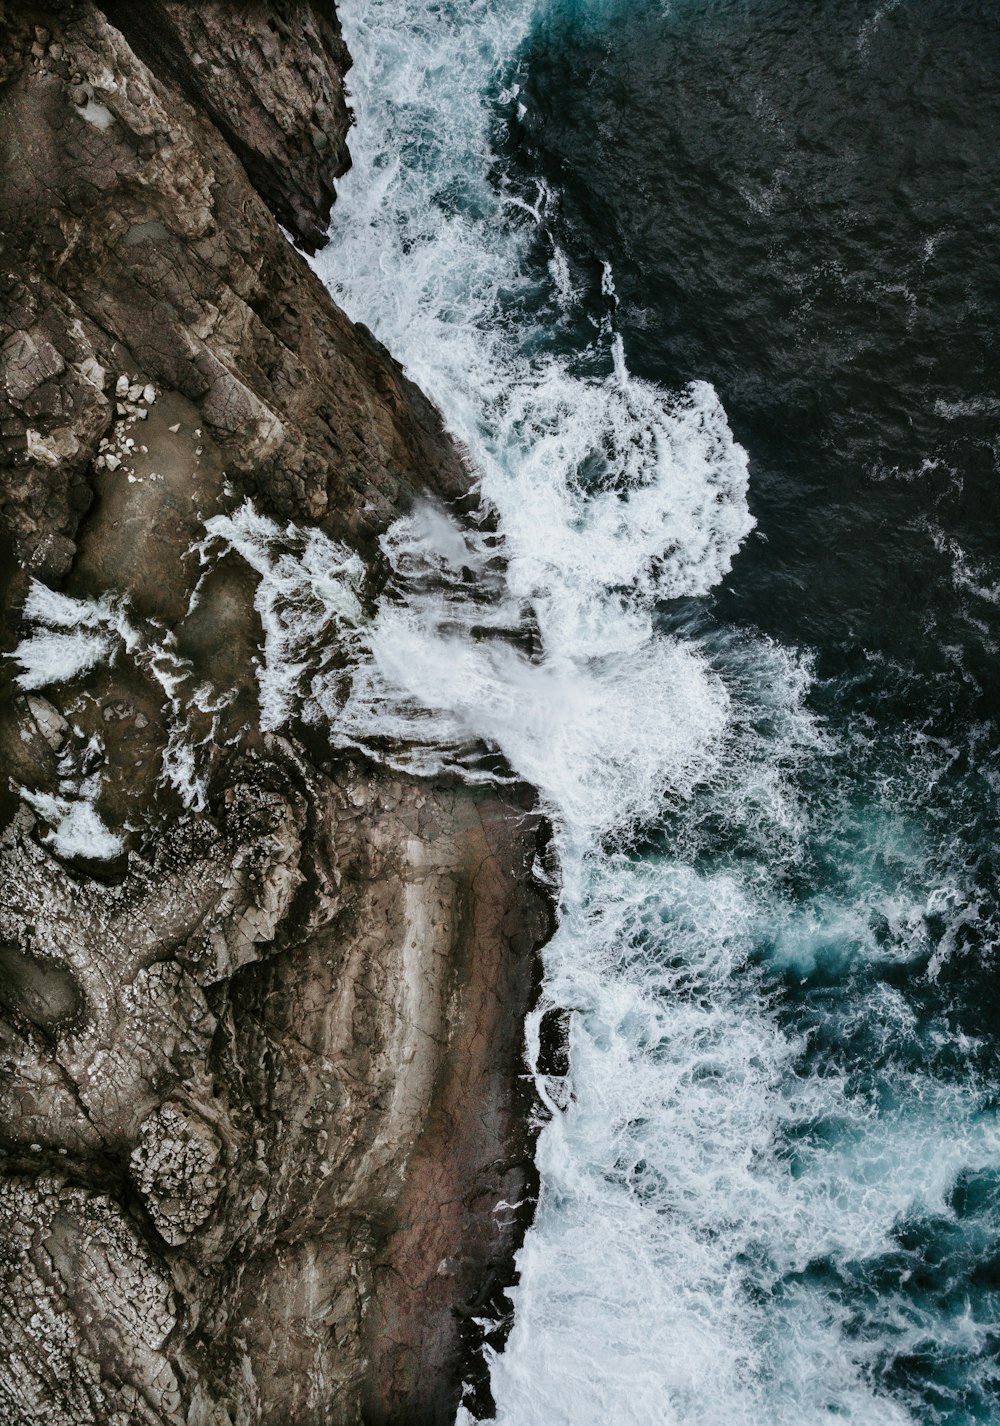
(76, 827)
(664, 1279)
(73, 636)
(97, 114)
(599, 482)
(54, 657)
(307, 599)
(610, 493)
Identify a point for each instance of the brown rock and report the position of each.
(270, 76)
(148, 250)
(262, 1061)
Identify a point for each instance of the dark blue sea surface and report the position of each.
(754, 680)
(800, 203)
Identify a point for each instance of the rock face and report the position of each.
(270, 76)
(134, 242)
(260, 1030)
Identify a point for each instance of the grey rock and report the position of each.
(25, 363)
(50, 722)
(176, 1168)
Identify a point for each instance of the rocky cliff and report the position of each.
(260, 1031)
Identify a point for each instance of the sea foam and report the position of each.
(695, 1167)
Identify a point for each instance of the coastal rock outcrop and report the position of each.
(260, 1018)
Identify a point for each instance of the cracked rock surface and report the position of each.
(175, 1167)
(261, 1032)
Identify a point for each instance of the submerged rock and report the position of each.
(261, 1003)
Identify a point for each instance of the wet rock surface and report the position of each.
(260, 1030)
(134, 243)
(272, 85)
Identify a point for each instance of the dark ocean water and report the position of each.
(800, 204)
(771, 1186)
(709, 291)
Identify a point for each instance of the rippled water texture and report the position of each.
(801, 205)
(709, 293)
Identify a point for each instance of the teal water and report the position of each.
(801, 207)
(762, 707)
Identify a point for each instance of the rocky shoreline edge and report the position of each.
(263, 1083)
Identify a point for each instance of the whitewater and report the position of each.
(770, 1183)
(690, 1174)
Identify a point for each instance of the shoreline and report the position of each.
(264, 1009)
